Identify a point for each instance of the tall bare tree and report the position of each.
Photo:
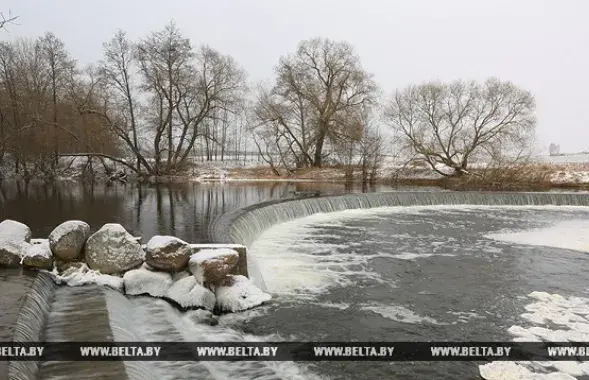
(317, 89)
(117, 71)
(59, 66)
(450, 125)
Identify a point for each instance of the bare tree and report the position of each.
(316, 90)
(554, 149)
(453, 125)
(59, 67)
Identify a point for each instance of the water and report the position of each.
(393, 276)
(182, 210)
(419, 274)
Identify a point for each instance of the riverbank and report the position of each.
(530, 177)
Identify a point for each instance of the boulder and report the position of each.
(238, 293)
(112, 250)
(167, 253)
(67, 239)
(38, 256)
(12, 235)
(210, 266)
(143, 281)
(187, 293)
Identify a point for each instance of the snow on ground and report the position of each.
(572, 234)
(569, 315)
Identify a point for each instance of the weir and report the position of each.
(245, 225)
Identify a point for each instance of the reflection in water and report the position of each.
(183, 210)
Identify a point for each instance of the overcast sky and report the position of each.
(540, 45)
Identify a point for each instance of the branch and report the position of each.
(4, 21)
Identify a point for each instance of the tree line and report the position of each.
(157, 103)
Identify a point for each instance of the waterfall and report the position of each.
(245, 225)
(123, 327)
(30, 325)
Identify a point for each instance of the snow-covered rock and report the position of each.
(167, 253)
(187, 293)
(37, 255)
(12, 235)
(238, 293)
(144, 281)
(67, 239)
(112, 250)
(78, 274)
(212, 265)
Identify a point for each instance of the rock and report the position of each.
(210, 266)
(12, 235)
(168, 253)
(187, 293)
(67, 239)
(143, 281)
(238, 293)
(112, 250)
(37, 256)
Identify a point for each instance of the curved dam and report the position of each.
(50, 313)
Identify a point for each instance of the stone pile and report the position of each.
(190, 275)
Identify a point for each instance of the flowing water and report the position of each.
(402, 273)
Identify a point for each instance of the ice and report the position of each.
(85, 276)
(143, 281)
(188, 293)
(569, 314)
(571, 234)
(514, 371)
(241, 295)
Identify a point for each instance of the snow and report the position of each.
(40, 249)
(158, 242)
(211, 254)
(241, 295)
(188, 293)
(11, 230)
(85, 276)
(571, 234)
(143, 281)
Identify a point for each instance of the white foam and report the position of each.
(570, 234)
(569, 314)
(398, 313)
